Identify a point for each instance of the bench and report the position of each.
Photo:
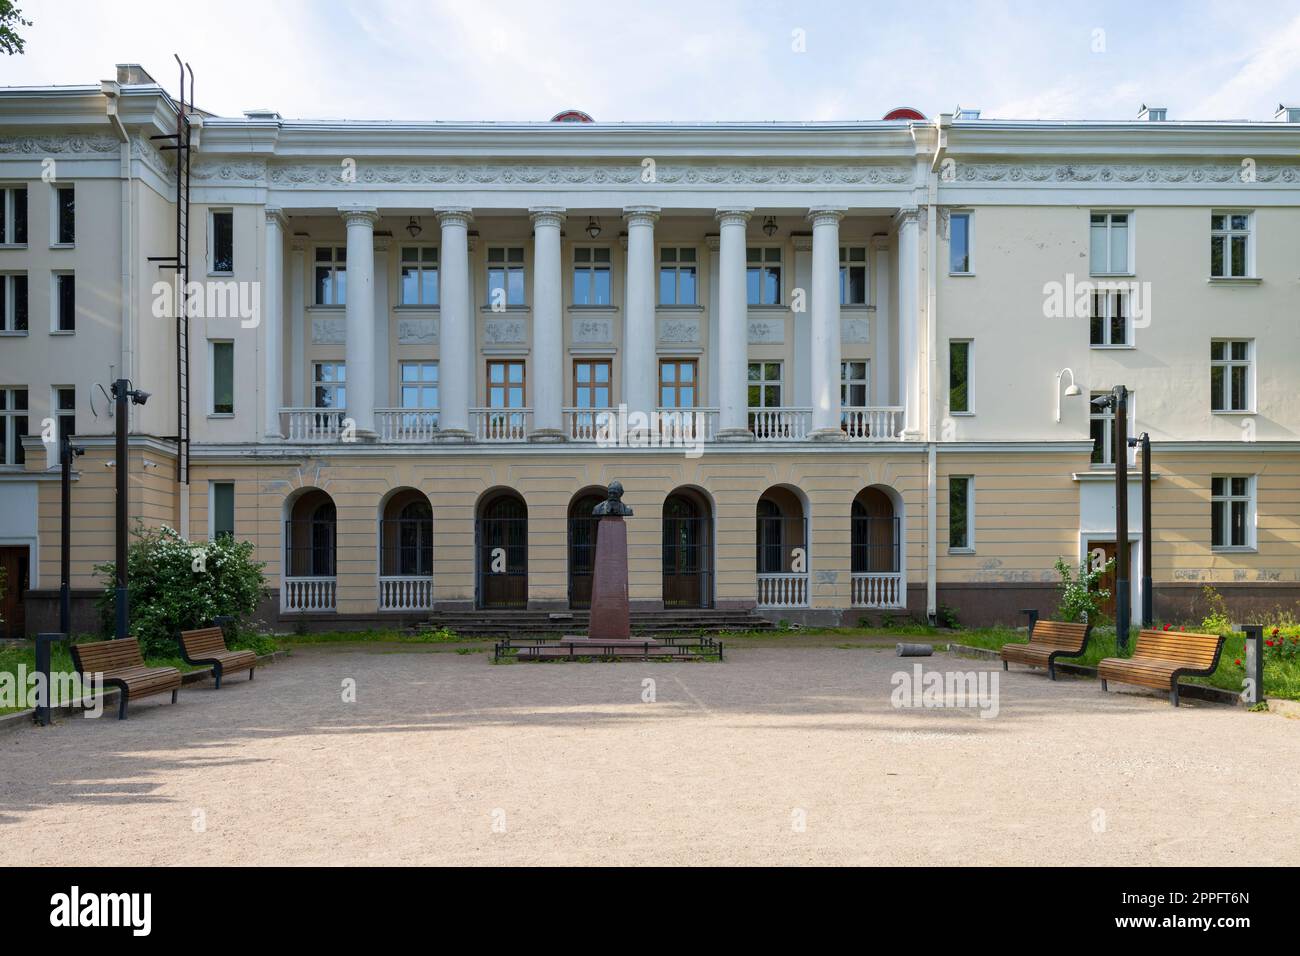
(122, 666)
(207, 646)
(1161, 657)
(1048, 640)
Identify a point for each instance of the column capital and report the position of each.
(906, 216)
(547, 215)
(383, 241)
(274, 214)
(357, 215)
(454, 216)
(824, 215)
(641, 215)
(733, 215)
(299, 242)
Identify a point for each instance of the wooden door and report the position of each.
(14, 562)
(1107, 580)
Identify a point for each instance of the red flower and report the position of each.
(1166, 627)
(1237, 662)
(1275, 632)
(1268, 643)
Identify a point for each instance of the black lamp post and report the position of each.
(1143, 441)
(122, 393)
(1117, 401)
(67, 451)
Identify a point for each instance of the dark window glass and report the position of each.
(223, 242)
(67, 215)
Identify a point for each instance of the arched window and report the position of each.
(770, 537)
(323, 522)
(415, 539)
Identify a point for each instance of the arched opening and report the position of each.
(781, 542)
(310, 552)
(687, 549)
(501, 536)
(582, 545)
(876, 549)
(406, 552)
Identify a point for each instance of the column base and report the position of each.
(827, 434)
(911, 434)
(547, 435)
(734, 435)
(366, 435)
(452, 436)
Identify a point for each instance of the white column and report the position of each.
(882, 322)
(802, 392)
(825, 325)
(639, 321)
(455, 327)
(383, 320)
(360, 317)
(714, 245)
(733, 322)
(548, 325)
(298, 323)
(909, 321)
(273, 322)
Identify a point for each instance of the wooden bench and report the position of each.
(122, 666)
(1161, 657)
(207, 646)
(1048, 640)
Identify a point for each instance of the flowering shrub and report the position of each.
(1279, 646)
(1080, 596)
(176, 585)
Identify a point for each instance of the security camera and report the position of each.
(139, 396)
(1102, 401)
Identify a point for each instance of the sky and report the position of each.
(669, 60)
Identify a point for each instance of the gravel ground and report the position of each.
(782, 755)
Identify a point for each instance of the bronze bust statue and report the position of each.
(613, 505)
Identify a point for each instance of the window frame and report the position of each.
(56, 216)
(677, 266)
(1129, 247)
(968, 547)
(763, 383)
(591, 267)
(336, 266)
(506, 385)
(212, 241)
(57, 315)
(8, 312)
(847, 264)
(213, 533)
(8, 219)
(593, 385)
(969, 218)
(421, 265)
(1227, 364)
(970, 379)
(764, 267)
(1228, 499)
(1229, 233)
(847, 383)
(1111, 297)
(507, 266)
(678, 383)
(420, 385)
(11, 446)
(213, 411)
(331, 386)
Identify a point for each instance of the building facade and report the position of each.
(841, 369)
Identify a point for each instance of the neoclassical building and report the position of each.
(841, 369)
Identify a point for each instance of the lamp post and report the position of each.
(67, 451)
(1143, 441)
(1117, 401)
(122, 395)
(1071, 391)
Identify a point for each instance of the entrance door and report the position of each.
(582, 550)
(687, 553)
(502, 533)
(1107, 580)
(14, 562)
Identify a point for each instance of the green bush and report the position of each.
(1080, 596)
(176, 585)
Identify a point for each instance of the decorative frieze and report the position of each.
(417, 331)
(504, 332)
(329, 330)
(855, 331)
(766, 331)
(1192, 173)
(679, 331)
(593, 331)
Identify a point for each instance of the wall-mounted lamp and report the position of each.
(414, 227)
(593, 226)
(1071, 391)
(769, 226)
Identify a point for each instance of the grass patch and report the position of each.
(377, 636)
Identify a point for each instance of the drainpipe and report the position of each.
(932, 368)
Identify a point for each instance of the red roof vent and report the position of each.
(572, 116)
(904, 113)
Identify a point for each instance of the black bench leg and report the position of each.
(174, 693)
(1051, 670)
(250, 672)
(1103, 684)
(1005, 667)
(121, 705)
(1173, 695)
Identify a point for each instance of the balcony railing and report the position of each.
(687, 425)
(406, 424)
(500, 424)
(780, 424)
(312, 424)
(782, 590)
(877, 589)
(405, 593)
(872, 423)
(304, 595)
(587, 424)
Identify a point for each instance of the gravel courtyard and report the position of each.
(782, 755)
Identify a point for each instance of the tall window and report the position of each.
(331, 275)
(223, 509)
(1230, 239)
(763, 275)
(505, 275)
(1101, 425)
(959, 376)
(1230, 375)
(13, 215)
(959, 243)
(591, 383)
(65, 414)
(1109, 319)
(505, 384)
(419, 384)
(1232, 508)
(222, 231)
(764, 385)
(853, 275)
(1109, 243)
(13, 424)
(13, 302)
(591, 275)
(223, 378)
(329, 385)
(65, 215)
(677, 383)
(65, 302)
(677, 275)
(960, 525)
(855, 384)
(419, 275)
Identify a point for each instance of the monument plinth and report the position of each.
(610, 615)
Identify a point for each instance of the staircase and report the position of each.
(539, 625)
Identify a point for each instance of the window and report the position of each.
(1109, 243)
(223, 378)
(1230, 241)
(1232, 511)
(855, 384)
(960, 517)
(419, 384)
(65, 415)
(959, 243)
(677, 276)
(1101, 425)
(13, 215)
(764, 385)
(1230, 375)
(677, 383)
(221, 232)
(505, 276)
(591, 276)
(222, 523)
(1109, 319)
(419, 275)
(959, 376)
(65, 215)
(505, 384)
(591, 383)
(763, 275)
(13, 302)
(329, 385)
(331, 275)
(853, 275)
(65, 302)
(13, 424)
